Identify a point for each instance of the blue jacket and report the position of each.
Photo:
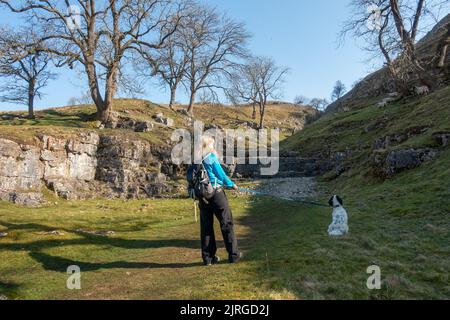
(215, 172)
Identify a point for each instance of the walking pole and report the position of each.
(195, 211)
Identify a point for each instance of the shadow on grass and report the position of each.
(83, 116)
(52, 118)
(60, 264)
(8, 289)
(281, 242)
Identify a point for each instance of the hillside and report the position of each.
(378, 83)
(67, 152)
(370, 145)
(285, 116)
(71, 119)
(392, 168)
(149, 249)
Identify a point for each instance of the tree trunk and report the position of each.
(95, 91)
(173, 92)
(399, 84)
(407, 40)
(262, 113)
(443, 48)
(443, 56)
(191, 103)
(399, 23)
(254, 111)
(104, 112)
(31, 95)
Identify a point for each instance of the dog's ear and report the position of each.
(339, 199)
(330, 202)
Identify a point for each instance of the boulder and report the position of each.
(144, 126)
(9, 149)
(442, 139)
(169, 122)
(113, 121)
(29, 199)
(70, 189)
(157, 189)
(184, 112)
(156, 177)
(389, 163)
(8, 117)
(400, 160)
(159, 118)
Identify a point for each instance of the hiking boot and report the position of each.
(214, 260)
(236, 260)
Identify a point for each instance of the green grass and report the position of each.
(69, 121)
(359, 127)
(401, 225)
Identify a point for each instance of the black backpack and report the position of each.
(200, 187)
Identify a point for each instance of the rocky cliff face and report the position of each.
(82, 167)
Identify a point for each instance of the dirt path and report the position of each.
(293, 188)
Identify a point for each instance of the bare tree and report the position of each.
(211, 44)
(338, 90)
(83, 99)
(208, 97)
(256, 81)
(319, 103)
(168, 64)
(98, 34)
(391, 27)
(25, 69)
(301, 100)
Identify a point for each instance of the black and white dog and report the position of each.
(339, 225)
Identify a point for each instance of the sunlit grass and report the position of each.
(401, 225)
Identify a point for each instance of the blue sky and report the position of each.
(299, 34)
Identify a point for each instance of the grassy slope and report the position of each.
(403, 222)
(347, 130)
(69, 121)
(357, 130)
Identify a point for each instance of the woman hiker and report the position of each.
(217, 206)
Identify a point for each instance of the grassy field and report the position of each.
(154, 253)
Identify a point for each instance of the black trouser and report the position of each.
(219, 207)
